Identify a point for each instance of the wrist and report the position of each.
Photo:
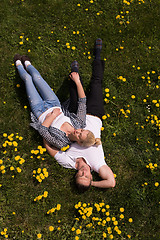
(78, 82)
(92, 183)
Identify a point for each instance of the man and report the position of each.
(84, 159)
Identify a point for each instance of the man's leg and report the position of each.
(95, 100)
(73, 106)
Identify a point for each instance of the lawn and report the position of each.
(38, 197)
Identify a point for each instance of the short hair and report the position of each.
(90, 140)
(82, 188)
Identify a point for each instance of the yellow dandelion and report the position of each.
(130, 220)
(45, 194)
(156, 184)
(58, 207)
(104, 117)
(78, 231)
(19, 170)
(51, 228)
(111, 236)
(121, 216)
(39, 235)
(107, 90)
(104, 235)
(121, 209)
(133, 96)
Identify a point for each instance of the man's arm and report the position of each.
(50, 150)
(107, 176)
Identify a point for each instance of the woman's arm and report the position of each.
(75, 77)
(50, 117)
(50, 150)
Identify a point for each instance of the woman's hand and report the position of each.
(55, 113)
(50, 117)
(75, 77)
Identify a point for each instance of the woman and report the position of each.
(55, 124)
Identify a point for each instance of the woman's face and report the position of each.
(80, 134)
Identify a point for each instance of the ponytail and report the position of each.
(98, 141)
(90, 140)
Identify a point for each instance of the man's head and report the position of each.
(84, 138)
(83, 176)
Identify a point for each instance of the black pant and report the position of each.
(95, 97)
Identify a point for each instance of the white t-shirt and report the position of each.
(94, 156)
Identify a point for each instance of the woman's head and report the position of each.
(85, 138)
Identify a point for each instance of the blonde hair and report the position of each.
(90, 140)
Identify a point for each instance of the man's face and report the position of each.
(80, 134)
(83, 175)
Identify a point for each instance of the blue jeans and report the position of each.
(42, 100)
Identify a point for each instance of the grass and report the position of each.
(131, 130)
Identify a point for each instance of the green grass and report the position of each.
(136, 143)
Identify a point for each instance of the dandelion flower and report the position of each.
(51, 228)
(130, 220)
(104, 117)
(39, 235)
(78, 231)
(156, 184)
(45, 194)
(121, 209)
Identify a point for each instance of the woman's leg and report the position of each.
(95, 100)
(35, 101)
(44, 89)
